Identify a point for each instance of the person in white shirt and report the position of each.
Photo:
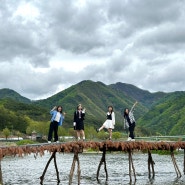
(109, 123)
(56, 120)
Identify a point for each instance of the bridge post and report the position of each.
(100, 164)
(150, 164)
(75, 159)
(131, 166)
(1, 177)
(175, 164)
(53, 156)
(184, 161)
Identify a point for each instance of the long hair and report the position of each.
(111, 107)
(125, 113)
(59, 107)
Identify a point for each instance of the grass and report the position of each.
(25, 142)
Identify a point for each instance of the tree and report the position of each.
(6, 132)
(19, 134)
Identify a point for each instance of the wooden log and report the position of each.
(75, 159)
(133, 168)
(79, 171)
(72, 169)
(57, 172)
(150, 165)
(175, 165)
(102, 161)
(184, 161)
(1, 175)
(130, 166)
(44, 172)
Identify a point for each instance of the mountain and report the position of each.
(166, 117)
(96, 97)
(8, 93)
(145, 97)
(16, 115)
(156, 113)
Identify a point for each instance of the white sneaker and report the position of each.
(57, 141)
(129, 139)
(49, 141)
(132, 139)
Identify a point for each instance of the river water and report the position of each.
(27, 170)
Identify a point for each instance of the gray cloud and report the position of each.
(132, 41)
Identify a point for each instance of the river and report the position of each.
(27, 170)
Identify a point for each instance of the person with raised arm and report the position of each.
(129, 121)
(56, 120)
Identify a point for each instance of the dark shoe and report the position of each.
(97, 130)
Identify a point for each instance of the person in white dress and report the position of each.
(109, 123)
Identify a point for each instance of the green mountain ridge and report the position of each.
(166, 117)
(156, 113)
(145, 97)
(96, 97)
(9, 93)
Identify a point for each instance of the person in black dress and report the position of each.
(78, 122)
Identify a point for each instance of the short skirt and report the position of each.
(108, 124)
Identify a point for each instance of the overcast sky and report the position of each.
(47, 46)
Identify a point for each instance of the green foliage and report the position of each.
(25, 142)
(166, 117)
(10, 94)
(157, 113)
(6, 132)
(96, 97)
(142, 96)
(116, 135)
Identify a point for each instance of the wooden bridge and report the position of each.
(80, 146)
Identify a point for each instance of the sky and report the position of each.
(47, 46)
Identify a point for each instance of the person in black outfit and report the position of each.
(129, 122)
(78, 122)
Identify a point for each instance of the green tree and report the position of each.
(18, 134)
(6, 132)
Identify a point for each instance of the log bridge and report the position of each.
(78, 147)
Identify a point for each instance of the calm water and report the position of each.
(27, 170)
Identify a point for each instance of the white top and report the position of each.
(57, 118)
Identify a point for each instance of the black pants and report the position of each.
(131, 130)
(53, 127)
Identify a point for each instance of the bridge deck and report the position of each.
(68, 147)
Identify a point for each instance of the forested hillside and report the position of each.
(145, 97)
(8, 93)
(167, 116)
(156, 113)
(96, 97)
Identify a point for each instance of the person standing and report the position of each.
(129, 122)
(109, 123)
(56, 120)
(78, 122)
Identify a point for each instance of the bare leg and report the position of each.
(110, 133)
(102, 127)
(83, 134)
(78, 134)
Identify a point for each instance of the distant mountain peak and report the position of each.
(11, 94)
